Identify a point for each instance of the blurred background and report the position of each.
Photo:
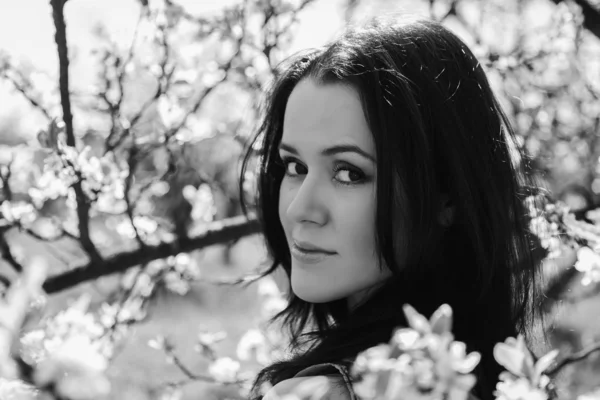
(164, 95)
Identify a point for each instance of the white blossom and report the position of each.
(588, 262)
(253, 346)
(224, 369)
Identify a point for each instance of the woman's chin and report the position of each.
(313, 294)
(312, 297)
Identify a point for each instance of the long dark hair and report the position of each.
(437, 128)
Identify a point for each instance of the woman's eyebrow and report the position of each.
(341, 148)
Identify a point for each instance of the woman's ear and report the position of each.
(447, 211)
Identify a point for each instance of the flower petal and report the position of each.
(406, 339)
(544, 362)
(521, 345)
(510, 358)
(458, 349)
(469, 363)
(464, 382)
(528, 367)
(416, 320)
(441, 320)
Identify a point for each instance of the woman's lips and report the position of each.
(308, 257)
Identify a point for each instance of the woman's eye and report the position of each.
(286, 165)
(350, 176)
(345, 175)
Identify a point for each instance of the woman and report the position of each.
(387, 152)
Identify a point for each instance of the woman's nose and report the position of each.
(308, 203)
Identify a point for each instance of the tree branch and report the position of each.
(63, 59)
(219, 232)
(83, 220)
(83, 205)
(7, 254)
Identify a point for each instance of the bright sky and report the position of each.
(26, 28)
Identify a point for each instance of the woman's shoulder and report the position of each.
(322, 381)
(322, 387)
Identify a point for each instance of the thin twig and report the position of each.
(115, 108)
(132, 161)
(117, 322)
(170, 352)
(5, 174)
(200, 100)
(20, 88)
(113, 144)
(580, 355)
(163, 83)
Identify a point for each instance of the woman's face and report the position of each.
(328, 195)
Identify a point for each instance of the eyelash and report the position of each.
(283, 162)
